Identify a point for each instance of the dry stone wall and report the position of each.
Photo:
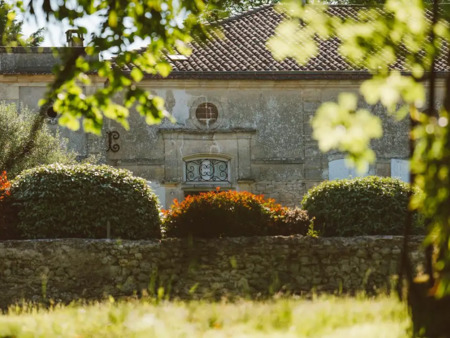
(68, 269)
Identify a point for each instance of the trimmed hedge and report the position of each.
(58, 201)
(362, 206)
(232, 214)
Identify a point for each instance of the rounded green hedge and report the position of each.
(59, 201)
(362, 206)
(232, 214)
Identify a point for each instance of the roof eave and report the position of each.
(274, 75)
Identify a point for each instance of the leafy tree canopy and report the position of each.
(11, 29)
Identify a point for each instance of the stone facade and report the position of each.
(263, 131)
(262, 134)
(68, 269)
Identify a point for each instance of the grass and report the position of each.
(321, 317)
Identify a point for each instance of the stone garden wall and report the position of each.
(69, 269)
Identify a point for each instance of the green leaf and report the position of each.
(136, 74)
(340, 126)
(69, 121)
(163, 68)
(11, 16)
(112, 18)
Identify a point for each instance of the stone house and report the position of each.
(242, 118)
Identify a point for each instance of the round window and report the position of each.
(206, 113)
(51, 113)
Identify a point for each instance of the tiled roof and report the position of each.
(242, 51)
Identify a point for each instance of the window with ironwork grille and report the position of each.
(206, 113)
(207, 170)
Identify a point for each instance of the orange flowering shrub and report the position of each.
(6, 209)
(231, 214)
(4, 185)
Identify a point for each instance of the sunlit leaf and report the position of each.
(341, 126)
(136, 74)
(163, 68)
(69, 121)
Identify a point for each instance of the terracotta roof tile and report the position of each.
(243, 49)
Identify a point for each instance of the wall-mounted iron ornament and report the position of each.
(112, 136)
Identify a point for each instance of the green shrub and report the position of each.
(14, 131)
(8, 219)
(58, 201)
(232, 214)
(363, 206)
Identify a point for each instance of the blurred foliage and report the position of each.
(48, 146)
(374, 41)
(359, 207)
(431, 164)
(404, 31)
(78, 201)
(349, 127)
(11, 29)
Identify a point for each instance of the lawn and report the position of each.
(321, 317)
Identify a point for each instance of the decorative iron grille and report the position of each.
(207, 170)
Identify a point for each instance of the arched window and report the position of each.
(207, 170)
